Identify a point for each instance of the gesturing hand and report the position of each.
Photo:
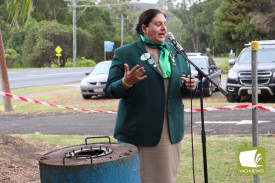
(133, 76)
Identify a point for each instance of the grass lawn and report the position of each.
(221, 156)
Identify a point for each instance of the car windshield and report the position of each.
(102, 68)
(200, 62)
(264, 56)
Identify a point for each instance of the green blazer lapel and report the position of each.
(142, 50)
(173, 59)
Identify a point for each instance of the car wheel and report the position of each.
(233, 98)
(86, 96)
(209, 92)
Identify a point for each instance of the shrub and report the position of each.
(12, 58)
(224, 66)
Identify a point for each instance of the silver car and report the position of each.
(96, 80)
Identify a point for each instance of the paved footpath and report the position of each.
(224, 123)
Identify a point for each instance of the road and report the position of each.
(224, 123)
(227, 122)
(45, 77)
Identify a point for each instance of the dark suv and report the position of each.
(239, 81)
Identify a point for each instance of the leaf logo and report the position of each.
(250, 159)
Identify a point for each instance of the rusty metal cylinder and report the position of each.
(99, 163)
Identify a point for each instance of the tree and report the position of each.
(44, 37)
(263, 18)
(12, 58)
(188, 18)
(233, 22)
(15, 6)
(51, 10)
(98, 23)
(198, 21)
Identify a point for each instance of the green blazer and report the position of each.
(141, 108)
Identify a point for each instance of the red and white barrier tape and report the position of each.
(264, 108)
(51, 105)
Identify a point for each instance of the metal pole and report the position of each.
(122, 19)
(254, 56)
(58, 61)
(104, 52)
(74, 32)
(4, 77)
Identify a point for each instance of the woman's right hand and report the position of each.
(133, 76)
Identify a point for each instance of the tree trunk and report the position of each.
(54, 13)
(4, 77)
(194, 42)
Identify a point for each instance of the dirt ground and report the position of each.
(19, 159)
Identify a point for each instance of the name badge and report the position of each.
(145, 56)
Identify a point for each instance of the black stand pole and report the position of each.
(203, 134)
(201, 75)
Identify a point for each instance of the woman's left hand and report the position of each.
(189, 86)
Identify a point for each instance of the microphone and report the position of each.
(171, 38)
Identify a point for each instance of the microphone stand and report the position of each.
(201, 75)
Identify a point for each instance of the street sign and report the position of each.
(58, 50)
(58, 55)
(108, 45)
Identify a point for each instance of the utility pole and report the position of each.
(74, 33)
(74, 6)
(4, 77)
(122, 20)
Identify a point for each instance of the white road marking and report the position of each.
(242, 122)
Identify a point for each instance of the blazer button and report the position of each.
(169, 112)
(170, 97)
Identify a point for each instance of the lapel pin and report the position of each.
(174, 64)
(145, 56)
(151, 61)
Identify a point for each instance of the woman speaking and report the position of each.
(150, 79)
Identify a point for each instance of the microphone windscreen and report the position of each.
(169, 35)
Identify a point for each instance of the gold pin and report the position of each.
(174, 64)
(155, 65)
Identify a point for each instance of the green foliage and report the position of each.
(81, 62)
(198, 24)
(38, 16)
(4, 25)
(12, 59)
(16, 40)
(233, 25)
(19, 10)
(44, 37)
(224, 66)
(98, 23)
(218, 24)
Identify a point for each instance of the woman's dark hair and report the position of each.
(145, 18)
